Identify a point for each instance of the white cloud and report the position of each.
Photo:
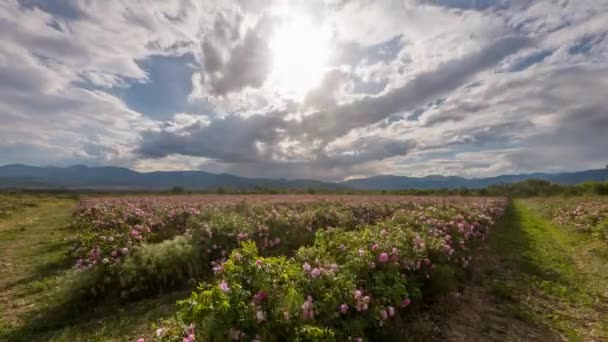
(410, 87)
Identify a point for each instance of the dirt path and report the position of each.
(532, 282)
(33, 250)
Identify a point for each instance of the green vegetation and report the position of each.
(541, 274)
(11, 204)
(527, 188)
(547, 276)
(33, 272)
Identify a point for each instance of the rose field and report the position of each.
(589, 217)
(299, 268)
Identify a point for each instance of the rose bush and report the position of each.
(586, 215)
(349, 284)
(140, 247)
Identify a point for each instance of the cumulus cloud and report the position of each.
(245, 62)
(422, 88)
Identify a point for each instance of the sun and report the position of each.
(300, 53)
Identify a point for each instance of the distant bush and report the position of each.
(177, 190)
(536, 187)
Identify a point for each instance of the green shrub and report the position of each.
(348, 284)
(164, 266)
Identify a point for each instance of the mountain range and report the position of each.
(117, 178)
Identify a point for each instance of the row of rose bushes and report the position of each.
(106, 233)
(136, 252)
(138, 248)
(583, 214)
(348, 285)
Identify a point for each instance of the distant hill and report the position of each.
(452, 182)
(84, 177)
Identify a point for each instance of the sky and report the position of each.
(323, 89)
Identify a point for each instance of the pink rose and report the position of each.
(383, 257)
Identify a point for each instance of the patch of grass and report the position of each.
(550, 275)
(502, 291)
(34, 273)
(106, 322)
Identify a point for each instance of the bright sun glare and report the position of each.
(299, 55)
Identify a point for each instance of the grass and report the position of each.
(548, 276)
(33, 249)
(33, 269)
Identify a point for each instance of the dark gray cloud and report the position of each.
(231, 139)
(367, 149)
(360, 158)
(254, 141)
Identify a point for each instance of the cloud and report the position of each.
(248, 65)
(231, 139)
(423, 88)
(410, 87)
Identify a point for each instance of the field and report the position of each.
(303, 267)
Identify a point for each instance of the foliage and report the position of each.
(10, 204)
(587, 215)
(142, 246)
(348, 284)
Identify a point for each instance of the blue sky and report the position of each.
(324, 89)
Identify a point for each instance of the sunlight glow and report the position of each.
(299, 55)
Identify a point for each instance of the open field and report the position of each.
(308, 267)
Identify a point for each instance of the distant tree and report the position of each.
(601, 189)
(178, 190)
(220, 190)
(310, 191)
